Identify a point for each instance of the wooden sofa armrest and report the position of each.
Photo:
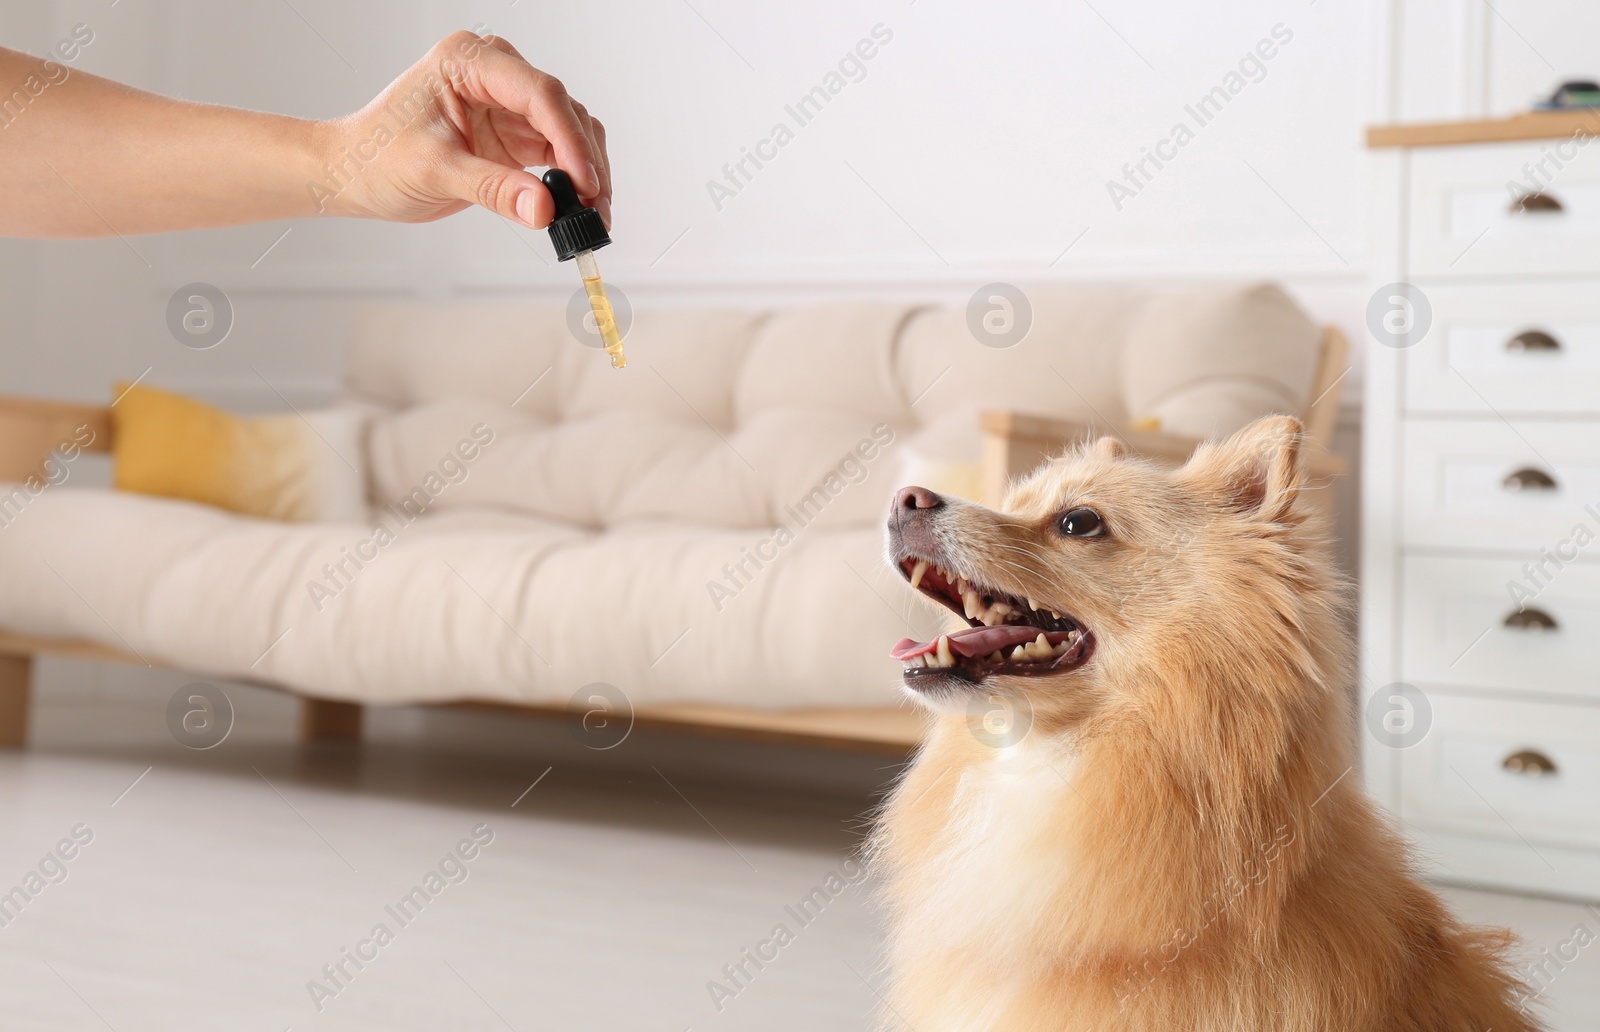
(31, 428)
(1014, 443)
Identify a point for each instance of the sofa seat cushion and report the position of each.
(465, 603)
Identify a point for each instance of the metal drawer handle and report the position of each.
(1536, 204)
(1533, 340)
(1529, 479)
(1534, 620)
(1531, 762)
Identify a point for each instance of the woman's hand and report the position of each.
(457, 129)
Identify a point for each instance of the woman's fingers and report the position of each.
(494, 77)
(602, 165)
(511, 193)
(593, 132)
(519, 140)
(503, 45)
(603, 202)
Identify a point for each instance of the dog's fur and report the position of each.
(1179, 841)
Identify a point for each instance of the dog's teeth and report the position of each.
(1033, 605)
(945, 658)
(971, 604)
(917, 571)
(1055, 614)
(996, 657)
(1039, 647)
(1020, 652)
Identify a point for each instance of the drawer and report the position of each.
(1460, 625)
(1462, 221)
(1493, 343)
(1457, 778)
(1484, 484)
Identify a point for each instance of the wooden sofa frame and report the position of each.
(1013, 444)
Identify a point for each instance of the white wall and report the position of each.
(1470, 59)
(978, 146)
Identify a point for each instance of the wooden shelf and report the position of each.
(1535, 125)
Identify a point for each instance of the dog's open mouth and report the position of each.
(1008, 635)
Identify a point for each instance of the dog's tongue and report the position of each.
(975, 641)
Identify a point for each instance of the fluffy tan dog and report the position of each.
(1137, 807)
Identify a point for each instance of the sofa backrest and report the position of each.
(730, 418)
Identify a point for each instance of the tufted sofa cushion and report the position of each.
(1204, 363)
(729, 418)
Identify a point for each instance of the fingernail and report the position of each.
(525, 207)
(604, 207)
(594, 177)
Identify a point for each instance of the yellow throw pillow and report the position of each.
(286, 467)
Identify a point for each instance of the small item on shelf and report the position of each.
(1578, 93)
(577, 231)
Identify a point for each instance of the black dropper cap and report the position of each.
(576, 227)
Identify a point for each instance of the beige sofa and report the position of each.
(701, 531)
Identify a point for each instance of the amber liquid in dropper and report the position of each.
(600, 305)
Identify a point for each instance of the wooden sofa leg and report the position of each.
(16, 675)
(326, 720)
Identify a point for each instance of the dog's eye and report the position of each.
(1082, 522)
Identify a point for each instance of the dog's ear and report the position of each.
(1109, 448)
(1257, 471)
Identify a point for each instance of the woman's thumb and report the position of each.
(511, 193)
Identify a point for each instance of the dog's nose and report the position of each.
(916, 498)
(912, 511)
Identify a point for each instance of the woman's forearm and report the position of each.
(82, 156)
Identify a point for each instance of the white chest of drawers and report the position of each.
(1480, 569)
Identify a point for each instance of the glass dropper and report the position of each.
(600, 305)
(577, 231)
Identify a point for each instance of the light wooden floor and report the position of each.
(221, 882)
